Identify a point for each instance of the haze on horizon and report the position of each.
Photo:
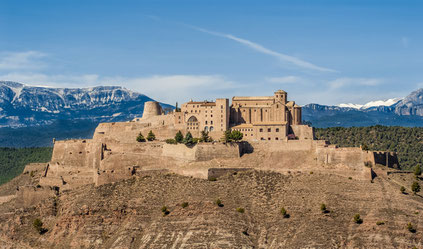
(326, 52)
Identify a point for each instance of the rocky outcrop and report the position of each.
(412, 104)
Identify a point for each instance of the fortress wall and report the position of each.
(208, 151)
(71, 152)
(303, 131)
(179, 151)
(288, 145)
(353, 158)
(127, 132)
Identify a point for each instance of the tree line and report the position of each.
(406, 141)
(13, 160)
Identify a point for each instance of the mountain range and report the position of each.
(33, 115)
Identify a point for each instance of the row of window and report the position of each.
(269, 129)
(276, 138)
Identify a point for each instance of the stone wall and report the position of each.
(30, 195)
(214, 173)
(34, 167)
(303, 132)
(388, 159)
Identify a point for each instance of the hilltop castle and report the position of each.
(258, 118)
(274, 139)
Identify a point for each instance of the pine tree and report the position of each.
(188, 138)
(415, 187)
(179, 137)
(205, 136)
(151, 136)
(417, 170)
(140, 138)
(236, 135)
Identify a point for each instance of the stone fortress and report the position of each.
(274, 139)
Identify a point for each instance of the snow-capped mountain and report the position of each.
(23, 105)
(377, 103)
(402, 112)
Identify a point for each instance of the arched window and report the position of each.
(211, 128)
(206, 128)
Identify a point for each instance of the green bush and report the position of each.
(151, 136)
(38, 225)
(205, 137)
(411, 228)
(31, 174)
(219, 203)
(402, 189)
(323, 208)
(171, 141)
(380, 223)
(179, 138)
(357, 219)
(140, 138)
(165, 211)
(188, 140)
(284, 213)
(184, 204)
(236, 135)
(240, 210)
(415, 187)
(212, 179)
(368, 164)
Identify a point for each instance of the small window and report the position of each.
(206, 121)
(261, 129)
(221, 107)
(262, 138)
(211, 115)
(211, 122)
(276, 138)
(277, 129)
(269, 129)
(268, 138)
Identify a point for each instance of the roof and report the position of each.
(270, 123)
(243, 126)
(208, 103)
(238, 98)
(290, 103)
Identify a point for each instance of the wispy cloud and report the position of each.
(260, 48)
(284, 80)
(343, 82)
(28, 60)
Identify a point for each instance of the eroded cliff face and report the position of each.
(128, 214)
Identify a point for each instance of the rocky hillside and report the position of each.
(23, 105)
(411, 105)
(129, 214)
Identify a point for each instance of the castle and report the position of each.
(274, 139)
(258, 118)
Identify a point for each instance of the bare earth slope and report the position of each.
(128, 214)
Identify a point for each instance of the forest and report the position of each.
(406, 141)
(13, 160)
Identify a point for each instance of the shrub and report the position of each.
(165, 211)
(415, 187)
(140, 138)
(31, 174)
(311, 172)
(284, 213)
(171, 141)
(323, 208)
(195, 140)
(240, 210)
(188, 139)
(417, 170)
(38, 225)
(205, 137)
(184, 204)
(212, 179)
(236, 135)
(227, 136)
(350, 178)
(151, 136)
(411, 228)
(219, 203)
(357, 219)
(380, 223)
(179, 137)
(402, 189)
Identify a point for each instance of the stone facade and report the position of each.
(258, 118)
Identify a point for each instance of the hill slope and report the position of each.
(128, 214)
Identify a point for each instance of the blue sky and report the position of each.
(326, 52)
